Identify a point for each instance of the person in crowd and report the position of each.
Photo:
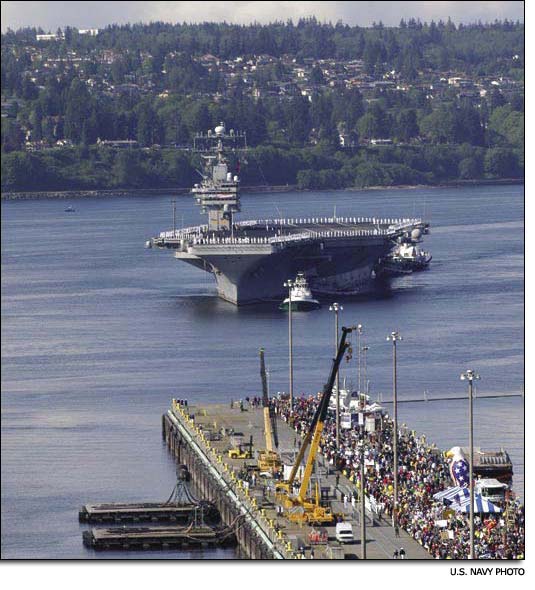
(423, 471)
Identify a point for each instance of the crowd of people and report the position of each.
(422, 471)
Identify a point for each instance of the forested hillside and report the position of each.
(323, 106)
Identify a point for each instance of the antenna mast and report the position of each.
(218, 193)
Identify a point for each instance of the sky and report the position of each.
(97, 14)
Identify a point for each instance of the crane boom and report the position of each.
(269, 418)
(304, 446)
(320, 415)
(308, 436)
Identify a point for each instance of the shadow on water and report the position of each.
(212, 304)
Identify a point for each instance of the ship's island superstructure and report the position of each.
(252, 259)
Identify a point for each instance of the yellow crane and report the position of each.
(299, 507)
(268, 459)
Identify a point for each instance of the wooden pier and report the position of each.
(200, 437)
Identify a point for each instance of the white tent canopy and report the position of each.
(453, 494)
(481, 506)
(458, 498)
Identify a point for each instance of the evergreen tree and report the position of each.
(77, 110)
(406, 125)
(37, 121)
(148, 125)
(316, 76)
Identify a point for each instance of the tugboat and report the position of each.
(301, 296)
(405, 258)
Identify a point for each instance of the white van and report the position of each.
(344, 532)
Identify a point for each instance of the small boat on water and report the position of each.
(301, 296)
(70, 209)
(405, 259)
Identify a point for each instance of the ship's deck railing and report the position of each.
(330, 220)
(304, 236)
(185, 232)
(197, 234)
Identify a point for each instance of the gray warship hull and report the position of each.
(339, 256)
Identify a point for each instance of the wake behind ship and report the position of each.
(250, 260)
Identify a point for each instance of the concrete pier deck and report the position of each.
(206, 429)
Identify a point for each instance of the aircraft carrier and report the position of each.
(252, 259)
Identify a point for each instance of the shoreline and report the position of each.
(75, 194)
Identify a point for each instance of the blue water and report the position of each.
(98, 334)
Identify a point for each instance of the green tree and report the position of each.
(501, 163)
(508, 125)
(37, 121)
(307, 179)
(297, 120)
(470, 168)
(28, 89)
(77, 110)
(406, 125)
(149, 130)
(328, 134)
(127, 170)
(179, 171)
(16, 171)
(374, 123)
(468, 126)
(371, 174)
(316, 76)
(495, 99)
(48, 129)
(197, 118)
(12, 137)
(440, 126)
(119, 68)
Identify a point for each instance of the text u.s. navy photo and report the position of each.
(486, 571)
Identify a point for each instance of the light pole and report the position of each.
(394, 337)
(365, 350)
(469, 376)
(337, 308)
(289, 285)
(362, 503)
(174, 217)
(359, 333)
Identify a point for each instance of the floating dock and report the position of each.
(146, 512)
(157, 538)
(200, 437)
